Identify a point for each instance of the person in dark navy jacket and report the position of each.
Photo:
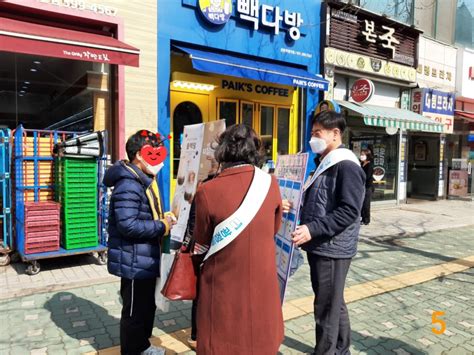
(136, 227)
(329, 230)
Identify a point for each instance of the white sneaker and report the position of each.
(154, 350)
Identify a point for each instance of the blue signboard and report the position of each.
(278, 32)
(439, 102)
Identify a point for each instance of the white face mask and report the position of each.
(151, 169)
(363, 157)
(318, 145)
(154, 170)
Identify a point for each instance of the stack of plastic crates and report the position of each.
(42, 227)
(5, 197)
(77, 191)
(33, 176)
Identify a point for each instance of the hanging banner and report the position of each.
(196, 163)
(290, 172)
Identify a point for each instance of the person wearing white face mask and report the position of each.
(136, 228)
(329, 229)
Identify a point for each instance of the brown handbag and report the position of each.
(181, 282)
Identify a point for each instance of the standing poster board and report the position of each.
(196, 163)
(458, 181)
(290, 172)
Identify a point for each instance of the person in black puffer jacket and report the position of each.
(329, 230)
(136, 226)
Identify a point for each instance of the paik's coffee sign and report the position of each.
(262, 89)
(254, 14)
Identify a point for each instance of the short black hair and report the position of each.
(139, 139)
(330, 120)
(239, 143)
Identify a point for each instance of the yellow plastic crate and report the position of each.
(45, 173)
(43, 195)
(44, 148)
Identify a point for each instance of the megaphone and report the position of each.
(82, 150)
(87, 145)
(85, 138)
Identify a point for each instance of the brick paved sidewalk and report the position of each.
(408, 220)
(86, 318)
(400, 322)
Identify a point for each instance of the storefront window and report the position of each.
(400, 10)
(266, 129)
(228, 112)
(283, 130)
(53, 93)
(385, 151)
(247, 113)
(186, 113)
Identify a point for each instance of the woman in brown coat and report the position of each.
(239, 309)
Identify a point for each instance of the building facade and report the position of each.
(371, 62)
(252, 62)
(79, 66)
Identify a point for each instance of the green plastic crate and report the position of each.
(78, 218)
(70, 244)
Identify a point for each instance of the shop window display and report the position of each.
(53, 93)
(186, 113)
(385, 151)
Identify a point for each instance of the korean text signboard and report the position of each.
(290, 172)
(435, 104)
(195, 164)
(219, 12)
(352, 28)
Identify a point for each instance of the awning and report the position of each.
(463, 114)
(30, 38)
(232, 65)
(380, 116)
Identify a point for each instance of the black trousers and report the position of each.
(138, 315)
(194, 311)
(333, 330)
(365, 211)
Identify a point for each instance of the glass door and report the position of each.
(228, 110)
(247, 113)
(266, 128)
(283, 130)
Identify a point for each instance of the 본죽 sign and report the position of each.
(362, 90)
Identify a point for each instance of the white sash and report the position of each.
(334, 157)
(229, 229)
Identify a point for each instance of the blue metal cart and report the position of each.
(32, 137)
(6, 202)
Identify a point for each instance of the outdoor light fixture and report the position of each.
(37, 62)
(33, 69)
(27, 83)
(194, 86)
